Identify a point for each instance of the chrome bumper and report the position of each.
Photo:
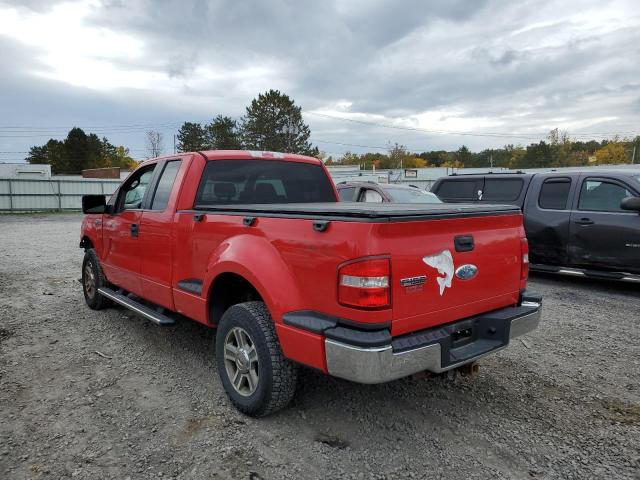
(382, 364)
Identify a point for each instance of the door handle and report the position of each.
(584, 221)
(135, 229)
(198, 217)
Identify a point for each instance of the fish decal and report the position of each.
(443, 262)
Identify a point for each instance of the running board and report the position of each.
(577, 272)
(137, 307)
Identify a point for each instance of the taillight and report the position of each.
(365, 283)
(524, 268)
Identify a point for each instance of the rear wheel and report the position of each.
(92, 280)
(254, 373)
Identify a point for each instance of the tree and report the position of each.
(76, 151)
(122, 159)
(560, 145)
(613, 153)
(349, 158)
(51, 153)
(398, 154)
(191, 137)
(154, 144)
(80, 151)
(538, 155)
(324, 158)
(273, 122)
(222, 134)
(463, 156)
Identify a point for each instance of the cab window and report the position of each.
(133, 191)
(554, 193)
(346, 194)
(458, 190)
(502, 189)
(230, 182)
(165, 185)
(602, 196)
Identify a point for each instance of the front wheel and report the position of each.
(92, 280)
(254, 373)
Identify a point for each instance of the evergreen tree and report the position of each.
(80, 151)
(273, 122)
(191, 137)
(222, 134)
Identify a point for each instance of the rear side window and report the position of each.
(346, 194)
(370, 196)
(554, 193)
(457, 190)
(602, 196)
(502, 189)
(241, 182)
(165, 185)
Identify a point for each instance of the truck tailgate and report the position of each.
(447, 269)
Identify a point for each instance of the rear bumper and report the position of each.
(435, 350)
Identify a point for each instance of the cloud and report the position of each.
(485, 66)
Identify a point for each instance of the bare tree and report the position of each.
(154, 144)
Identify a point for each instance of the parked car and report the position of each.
(577, 222)
(371, 192)
(257, 245)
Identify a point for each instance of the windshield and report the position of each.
(411, 195)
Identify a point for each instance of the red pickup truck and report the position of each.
(257, 245)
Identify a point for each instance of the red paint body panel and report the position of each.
(293, 267)
(302, 347)
(120, 257)
(496, 254)
(157, 247)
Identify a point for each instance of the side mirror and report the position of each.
(630, 203)
(94, 204)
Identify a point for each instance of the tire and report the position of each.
(92, 280)
(265, 381)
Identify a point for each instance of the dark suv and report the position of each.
(371, 192)
(578, 222)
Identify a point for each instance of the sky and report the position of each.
(427, 74)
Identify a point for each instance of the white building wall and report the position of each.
(25, 170)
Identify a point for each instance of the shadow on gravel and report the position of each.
(4, 334)
(318, 396)
(602, 286)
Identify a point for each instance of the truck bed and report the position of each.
(362, 212)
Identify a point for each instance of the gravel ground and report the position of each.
(108, 395)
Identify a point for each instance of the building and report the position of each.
(25, 170)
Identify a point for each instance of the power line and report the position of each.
(98, 127)
(352, 145)
(530, 136)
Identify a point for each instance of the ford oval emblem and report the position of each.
(466, 272)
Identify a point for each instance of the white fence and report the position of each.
(25, 195)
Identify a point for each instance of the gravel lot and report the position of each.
(108, 395)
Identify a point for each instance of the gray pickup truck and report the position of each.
(584, 223)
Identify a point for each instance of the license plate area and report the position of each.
(473, 338)
(461, 337)
(465, 339)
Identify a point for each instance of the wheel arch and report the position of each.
(260, 268)
(86, 243)
(228, 289)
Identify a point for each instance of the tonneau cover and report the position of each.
(378, 212)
